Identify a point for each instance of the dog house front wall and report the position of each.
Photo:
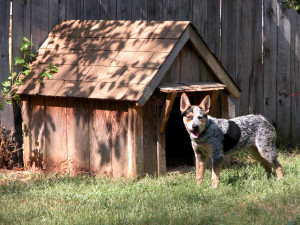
(76, 135)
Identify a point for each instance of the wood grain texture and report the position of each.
(74, 9)
(108, 9)
(213, 63)
(56, 135)
(295, 88)
(161, 141)
(168, 105)
(149, 136)
(91, 9)
(26, 128)
(39, 22)
(118, 118)
(270, 58)
(284, 76)
(6, 115)
(256, 88)
(135, 140)
(77, 134)
(124, 8)
(100, 140)
(38, 153)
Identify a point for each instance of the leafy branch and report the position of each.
(292, 4)
(15, 80)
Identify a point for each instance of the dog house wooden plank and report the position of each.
(167, 110)
(56, 155)
(213, 102)
(213, 63)
(118, 118)
(26, 128)
(161, 140)
(100, 138)
(37, 131)
(135, 140)
(77, 133)
(225, 104)
(190, 87)
(164, 68)
(149, 132)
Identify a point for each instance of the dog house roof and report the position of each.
(118, 60)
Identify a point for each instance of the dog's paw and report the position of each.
(214, 184)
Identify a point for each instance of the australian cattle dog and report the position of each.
(212, 138)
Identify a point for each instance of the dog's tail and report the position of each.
(271, 122)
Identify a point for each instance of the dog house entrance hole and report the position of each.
(179, 152)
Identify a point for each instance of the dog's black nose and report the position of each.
(194, 126)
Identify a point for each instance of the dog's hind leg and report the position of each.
(265, 164)
(267, 152)
(215, 175)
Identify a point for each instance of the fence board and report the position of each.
(124, 8)
(283, 75)
(57, 12)
(21, 25)
(139, 10)
(229, 42)
(295, 84)
(39, 22)
(155, 10)
(74, 9)
(244, 66)
(170, 10)
(270, 58)
(256, 104)
(212, 27)
(6, 115)
(108, 9)
(91, 9)
(184, 10)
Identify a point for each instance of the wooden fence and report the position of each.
(257, 41)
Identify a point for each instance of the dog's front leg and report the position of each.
(217, 158)
(200, 167)
(201, 159)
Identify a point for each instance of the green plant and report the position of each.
(292, 3)
(16, 79)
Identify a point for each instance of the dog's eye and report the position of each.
(189, 117)
(200, 117)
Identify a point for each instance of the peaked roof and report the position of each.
(119, 60)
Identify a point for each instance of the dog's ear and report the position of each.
(205, 104)
(184, 102)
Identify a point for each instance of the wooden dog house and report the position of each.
(107, 109)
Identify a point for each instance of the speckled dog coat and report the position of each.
(212, 138)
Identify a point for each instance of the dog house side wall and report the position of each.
(75, 135)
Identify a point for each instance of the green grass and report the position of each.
(245, 196)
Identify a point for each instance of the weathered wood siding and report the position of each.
(236, 31)
(6, 115)
(76, 135)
